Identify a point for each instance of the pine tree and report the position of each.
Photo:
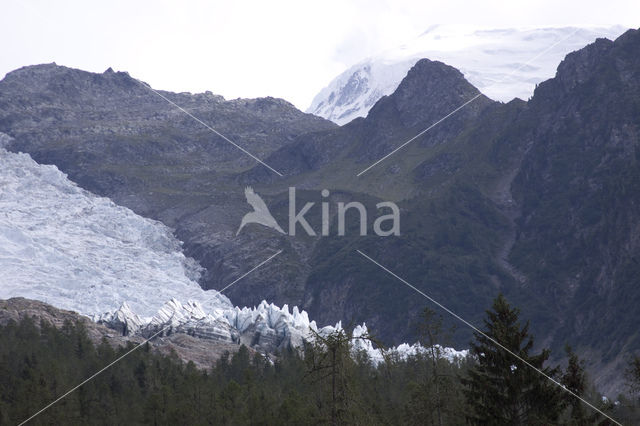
(331, 362)
(328, 357)
(434, 387)
(633, 375)
(500, 388)
(575, 379)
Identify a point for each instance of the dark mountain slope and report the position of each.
(534, 199)
(539, 200)
(115, 137)
(430, 91)
(118, 139)
(579, 189)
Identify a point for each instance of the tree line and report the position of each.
(325, 383)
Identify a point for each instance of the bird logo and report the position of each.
(260, 213)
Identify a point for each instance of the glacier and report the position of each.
(502, 63)
(74, 250)
(266, 328)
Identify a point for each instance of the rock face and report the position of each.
(579, 192)
(430, 91)
(535, 199)
(140, 147)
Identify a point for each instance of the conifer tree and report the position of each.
(435, 388)
(633, 375)
(500, 388)
(574, 378)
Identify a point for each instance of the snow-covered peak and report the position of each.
(502, 63)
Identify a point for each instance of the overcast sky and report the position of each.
(287, 49)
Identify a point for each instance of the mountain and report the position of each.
(116, 138)
(139, 135)
(497, 61)
(535, 199)
(62, 245)
(578, 191)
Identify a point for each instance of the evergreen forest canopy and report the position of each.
(326, 383)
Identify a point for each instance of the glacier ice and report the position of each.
(74, 250)
(265, 327)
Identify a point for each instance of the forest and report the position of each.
(326, 382)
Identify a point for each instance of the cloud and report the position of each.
(288, 49)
